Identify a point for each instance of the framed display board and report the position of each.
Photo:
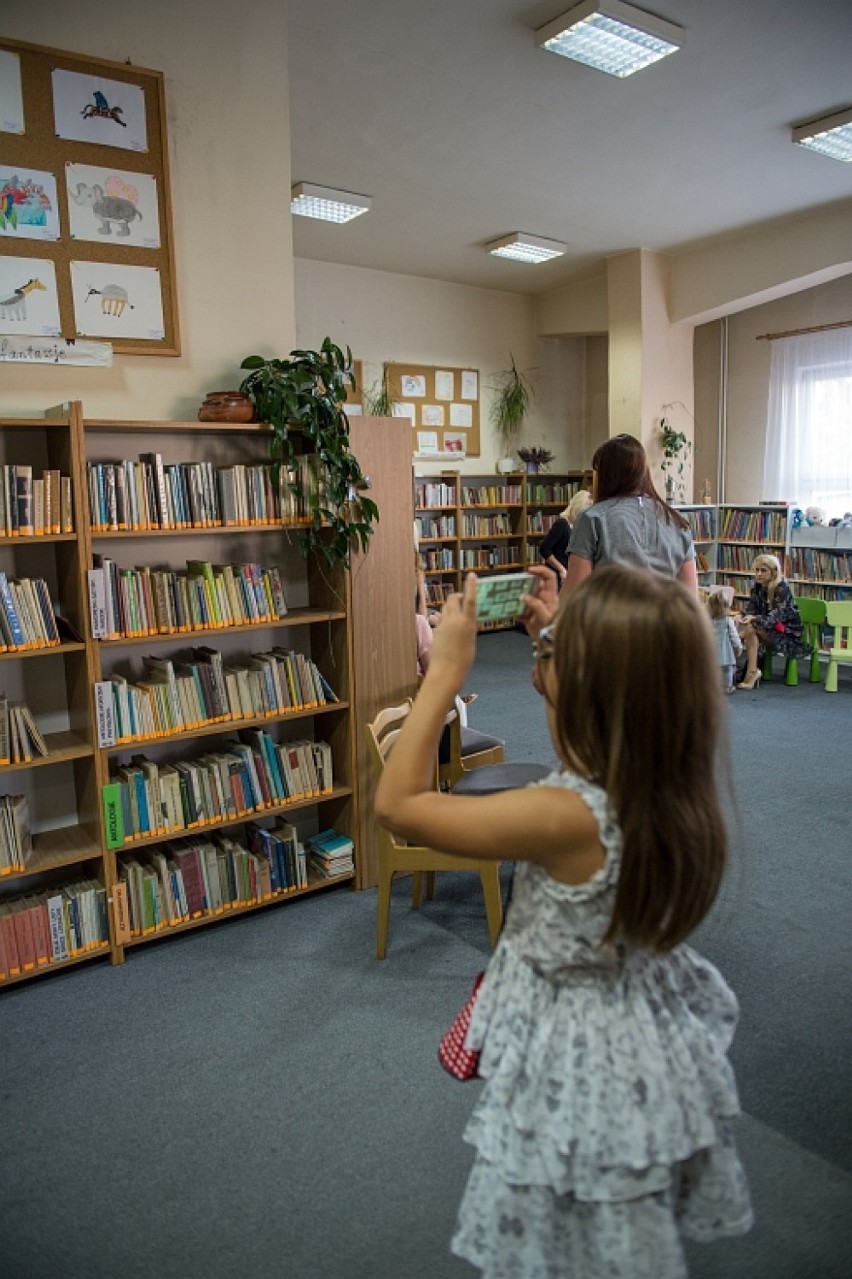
(86, 244)
(443, 404)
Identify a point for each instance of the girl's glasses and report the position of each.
(543, 646)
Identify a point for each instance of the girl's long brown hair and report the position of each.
(638, 709)
(622, 470)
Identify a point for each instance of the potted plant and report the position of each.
(535, 458)
(514, 393)
(676, 449)
(302, 399)
(378, 401)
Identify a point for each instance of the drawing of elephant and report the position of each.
(14, 307)
(106, 208)
(113, 299)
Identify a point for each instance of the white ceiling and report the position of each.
(462, 130)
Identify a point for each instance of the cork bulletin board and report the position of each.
(443, 404)
(86, 242)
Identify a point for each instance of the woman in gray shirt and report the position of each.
(629, 522)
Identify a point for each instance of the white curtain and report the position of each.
(808, 457)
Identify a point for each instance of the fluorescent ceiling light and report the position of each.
(526, 248)
(610, 36)
(311, 201)
(832, 135)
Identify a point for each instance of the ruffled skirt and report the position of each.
(604, 1130)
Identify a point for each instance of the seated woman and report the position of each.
(553, 548)
(770, 618)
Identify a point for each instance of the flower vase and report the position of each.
(532, 468)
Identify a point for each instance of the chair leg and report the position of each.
(417, 890)
(791, 672)
(766, 666)
(383, 912)
(831, 676)
(490, 878)
(813, 639)
(430, 877)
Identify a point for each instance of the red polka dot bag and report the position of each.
(460, 1062)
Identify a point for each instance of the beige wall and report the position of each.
(227, 105)
(400, 318)
(748, 378)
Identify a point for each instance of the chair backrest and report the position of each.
(811, 609)
(838, 613)
(383, 731)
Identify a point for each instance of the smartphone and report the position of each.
(501, 598)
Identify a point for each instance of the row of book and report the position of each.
(16, 843)
(27, 618)
(539, 523)
(33, 506)
(179, 696)
(151, 494)
(492, 495)
(430, 526)
(144, 798)
(754, 526)
(551, 493)
(130, 602)
(47, 927)
(702, 523)
(486, 525)
(437, 560)
(434, 494)
(827, 566)
(20, 737)
(331, 854)
(736, 559)
(188, 879)
(506, 556)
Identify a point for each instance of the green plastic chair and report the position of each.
(812, 613)
(838, 613)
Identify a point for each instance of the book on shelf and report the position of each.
(30, 505)
(27, 618)
(253, 773)
(135, 602)
(180, 696)
(16, 845)
(331, 854)
(20, 737)
(42, 928)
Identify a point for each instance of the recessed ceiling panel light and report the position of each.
(526, 248)
(610, 36)
(830, 136)
(311, 201)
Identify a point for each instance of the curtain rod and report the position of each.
(794, 333)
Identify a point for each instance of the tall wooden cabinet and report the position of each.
(355, 626)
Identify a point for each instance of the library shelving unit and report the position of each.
(61, 788)
(70, 835)
(491, 524)
(819, 562)
(703, 521)
(743, 532)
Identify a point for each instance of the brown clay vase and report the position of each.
(226, 406)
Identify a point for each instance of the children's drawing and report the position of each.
(88, 108)
(106, 202)
(28, 301)
(112, 300)
(28, 205)
(413, 385)
(11, 97)
(454, 443)
(433, 415)
(461, 415)
(403, 409)
(470, 384)
(427, 441)
(443, 384)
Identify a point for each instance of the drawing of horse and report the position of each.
(14, 307)
(101, 108)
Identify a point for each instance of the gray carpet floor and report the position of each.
(262, 1098)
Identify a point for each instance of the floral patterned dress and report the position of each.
(780, 621)
(604, 1130)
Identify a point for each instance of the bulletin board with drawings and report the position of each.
(86, 242)
(443, 404)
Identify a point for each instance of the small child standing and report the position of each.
(604, 1130)
(728, 642)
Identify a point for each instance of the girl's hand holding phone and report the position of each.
(454, 647)
(541, 608)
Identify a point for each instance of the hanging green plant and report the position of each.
(676, 447)
(378, 401)
(302, 399)
(511, 404)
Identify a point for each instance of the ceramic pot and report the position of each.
(226, 406)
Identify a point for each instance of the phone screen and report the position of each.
(501, 598)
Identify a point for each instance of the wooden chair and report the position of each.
(397, 855)
(838, 613)
(481, 773)
(463, 749)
